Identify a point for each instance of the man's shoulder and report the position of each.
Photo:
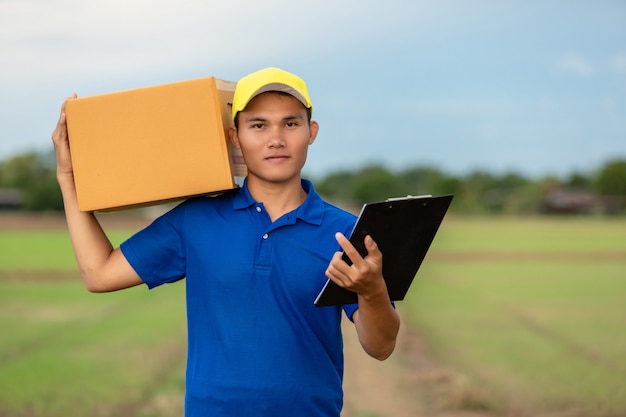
(197, 207)
(210, 200)
(340, 209)
(338, 213)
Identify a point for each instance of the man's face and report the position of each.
(274, 134)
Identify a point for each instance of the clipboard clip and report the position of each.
(408, 197)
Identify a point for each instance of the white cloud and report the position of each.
(575, 64)
(465, 69)
(73, 37)
(489, 133)
(547, 105)
(461, 106)
(618, 63)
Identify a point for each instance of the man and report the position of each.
(253, 259)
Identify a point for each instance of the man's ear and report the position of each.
(234, 137)
(314, 128)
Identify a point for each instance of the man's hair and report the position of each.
(280, 93)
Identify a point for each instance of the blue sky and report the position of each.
(538, 87)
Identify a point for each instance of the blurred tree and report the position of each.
(479, 192)
(336, 186)
(428, 180)
(579, 180)
(511, 194)
(21, 171)
(611, 179)
(376, 183)
(34, 176)
(473, 195)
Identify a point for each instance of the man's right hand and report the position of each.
(62, 146)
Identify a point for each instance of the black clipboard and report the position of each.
(403, 228)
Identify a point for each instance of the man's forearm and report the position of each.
(377, 324)
(91, 245)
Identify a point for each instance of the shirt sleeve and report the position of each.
(349, 309)
(157, 253)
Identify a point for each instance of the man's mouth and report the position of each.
(276, 157)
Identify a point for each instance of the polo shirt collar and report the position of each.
(310, 211)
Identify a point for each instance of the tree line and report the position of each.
(28, 182)
(481, 192)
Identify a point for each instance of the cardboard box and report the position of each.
(153, 145)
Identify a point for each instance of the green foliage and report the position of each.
(427, 180)
(478, 192)
(33, 175)
(579, 180)
(612, 178)
(375, 183)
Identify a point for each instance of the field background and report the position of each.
(507, 317)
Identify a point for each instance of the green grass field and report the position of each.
(531, 313)
(66, 352)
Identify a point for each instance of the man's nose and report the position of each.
(276, 139)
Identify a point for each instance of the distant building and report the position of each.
(566, 200)
(10, 199)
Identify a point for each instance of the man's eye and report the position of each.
(257, 126)
(291, 124)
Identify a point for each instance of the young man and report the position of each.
(253, 259)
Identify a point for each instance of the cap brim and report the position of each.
(283, 88)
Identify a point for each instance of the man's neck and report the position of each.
(278, 198)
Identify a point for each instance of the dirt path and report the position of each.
(408, 384)
(376, 388)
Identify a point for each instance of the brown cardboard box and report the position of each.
(153, 145)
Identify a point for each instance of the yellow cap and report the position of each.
(268, 79)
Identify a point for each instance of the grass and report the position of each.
(66, 352)
(532, 311)
(531, 234)
(41, 250)
(529, 313)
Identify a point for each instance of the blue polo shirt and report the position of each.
(257, 346)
